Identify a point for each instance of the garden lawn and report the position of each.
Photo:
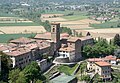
(51, 72)
(66, 69)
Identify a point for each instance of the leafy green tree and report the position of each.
(65, 30)
(14, 75)
(96, 78)
(32, 72)
(117, 53)
(22, 78)
(85, 78)
(87, 51)
(5, 66)
(2, 82)
(47, 26)
(39, 81)
(99, 49)
(117, 40)
(83, 68)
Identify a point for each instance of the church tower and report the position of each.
(55, 34)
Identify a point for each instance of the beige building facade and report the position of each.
(97, 65)
(103, 69)
(20, 57)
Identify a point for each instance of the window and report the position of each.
(63, 55)
(53, 30)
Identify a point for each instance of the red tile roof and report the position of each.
(12, 45)
(68, 49)
(43, 44)
(31, 46)
(94, 59)
(110, 57)
(64, 35)
(22, 40)
(46, 35)
(3, 47)
(18, 52)
(73, 39)
(85, 38)
(102, 63)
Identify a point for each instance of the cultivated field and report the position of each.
(81, 23)
(73, 22)
(13, 20)
(51, 15)
(22, 29)
(15, 25)
(104, 33)
(110, 30)
(111, 24)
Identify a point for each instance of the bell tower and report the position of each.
(55, 34)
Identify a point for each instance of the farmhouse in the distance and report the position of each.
(65, 48)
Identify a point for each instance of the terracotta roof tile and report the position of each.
(94, 59)
(73, 39)
(22, 40)
(110, 57)
(85, 38)
(3, 47)
(64, 35)
(46, 35)
(18, 52)
(68, 49)
(102, 63)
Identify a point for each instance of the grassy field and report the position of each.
(60, 12)
(4, 38)
(19, 24)
(66, 69)
(6, 15)
(78, 16)
(105, 25)
(52, 71)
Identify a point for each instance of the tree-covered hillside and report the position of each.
(58, 1)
